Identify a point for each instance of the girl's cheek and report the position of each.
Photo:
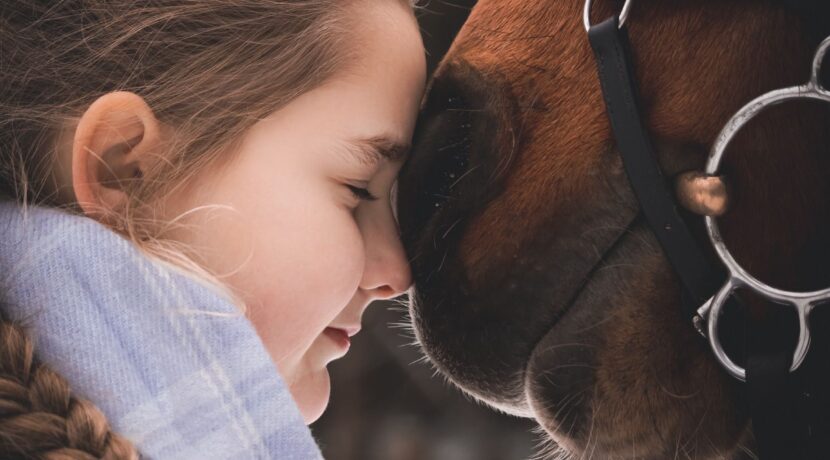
(346, 258)
(327, 256)
(315, 272)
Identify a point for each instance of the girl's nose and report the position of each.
(386, 274)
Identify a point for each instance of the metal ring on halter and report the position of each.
(586, 14)
(803, 302)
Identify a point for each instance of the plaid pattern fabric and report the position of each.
(176, 368)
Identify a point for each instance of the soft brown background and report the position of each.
(386, 403)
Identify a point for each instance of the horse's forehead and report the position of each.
(497, 31)
(540, 30)
(682, 49)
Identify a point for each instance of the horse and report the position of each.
(538, 288)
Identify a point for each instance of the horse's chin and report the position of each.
(624, 369)
(568, 364)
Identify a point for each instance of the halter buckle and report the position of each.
(586, 14)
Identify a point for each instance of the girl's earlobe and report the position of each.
(114, 143)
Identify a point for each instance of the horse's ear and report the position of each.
(113, 145)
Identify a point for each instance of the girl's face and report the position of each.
(305, 232)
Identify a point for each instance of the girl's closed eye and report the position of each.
(361, 193)
(375, 154)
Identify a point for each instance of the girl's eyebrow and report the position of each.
(372, 150)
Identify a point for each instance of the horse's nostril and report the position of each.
(440, 156)
(451, 146)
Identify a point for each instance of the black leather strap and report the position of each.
(788, 410)
(773, 406)
(700, 279)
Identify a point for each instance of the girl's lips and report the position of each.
(339, 336)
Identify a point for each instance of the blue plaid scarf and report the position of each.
(172, 364)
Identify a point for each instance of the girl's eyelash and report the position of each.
(361, 193)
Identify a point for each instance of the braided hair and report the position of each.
(40, 418)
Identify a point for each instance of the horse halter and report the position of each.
(702, 282)
(738, 277)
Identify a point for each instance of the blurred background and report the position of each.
(386, 402)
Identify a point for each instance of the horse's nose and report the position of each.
(441, 151)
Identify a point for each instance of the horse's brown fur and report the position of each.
(618, 373)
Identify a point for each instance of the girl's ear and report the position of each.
(114, 143)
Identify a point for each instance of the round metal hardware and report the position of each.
(803, 302)
(586, 14)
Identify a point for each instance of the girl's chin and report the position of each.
(310, 384)
(311, 394)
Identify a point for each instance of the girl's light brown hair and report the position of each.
(209, 69)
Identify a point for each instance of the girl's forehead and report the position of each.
(371, 104)
(387, 33)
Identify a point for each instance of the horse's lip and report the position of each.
(506, 399)
(568, 306)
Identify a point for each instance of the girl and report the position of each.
(247, 149)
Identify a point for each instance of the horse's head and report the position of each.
(538, 287)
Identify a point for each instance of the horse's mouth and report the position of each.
(464, 331)
(479, 324)
(482, 332)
